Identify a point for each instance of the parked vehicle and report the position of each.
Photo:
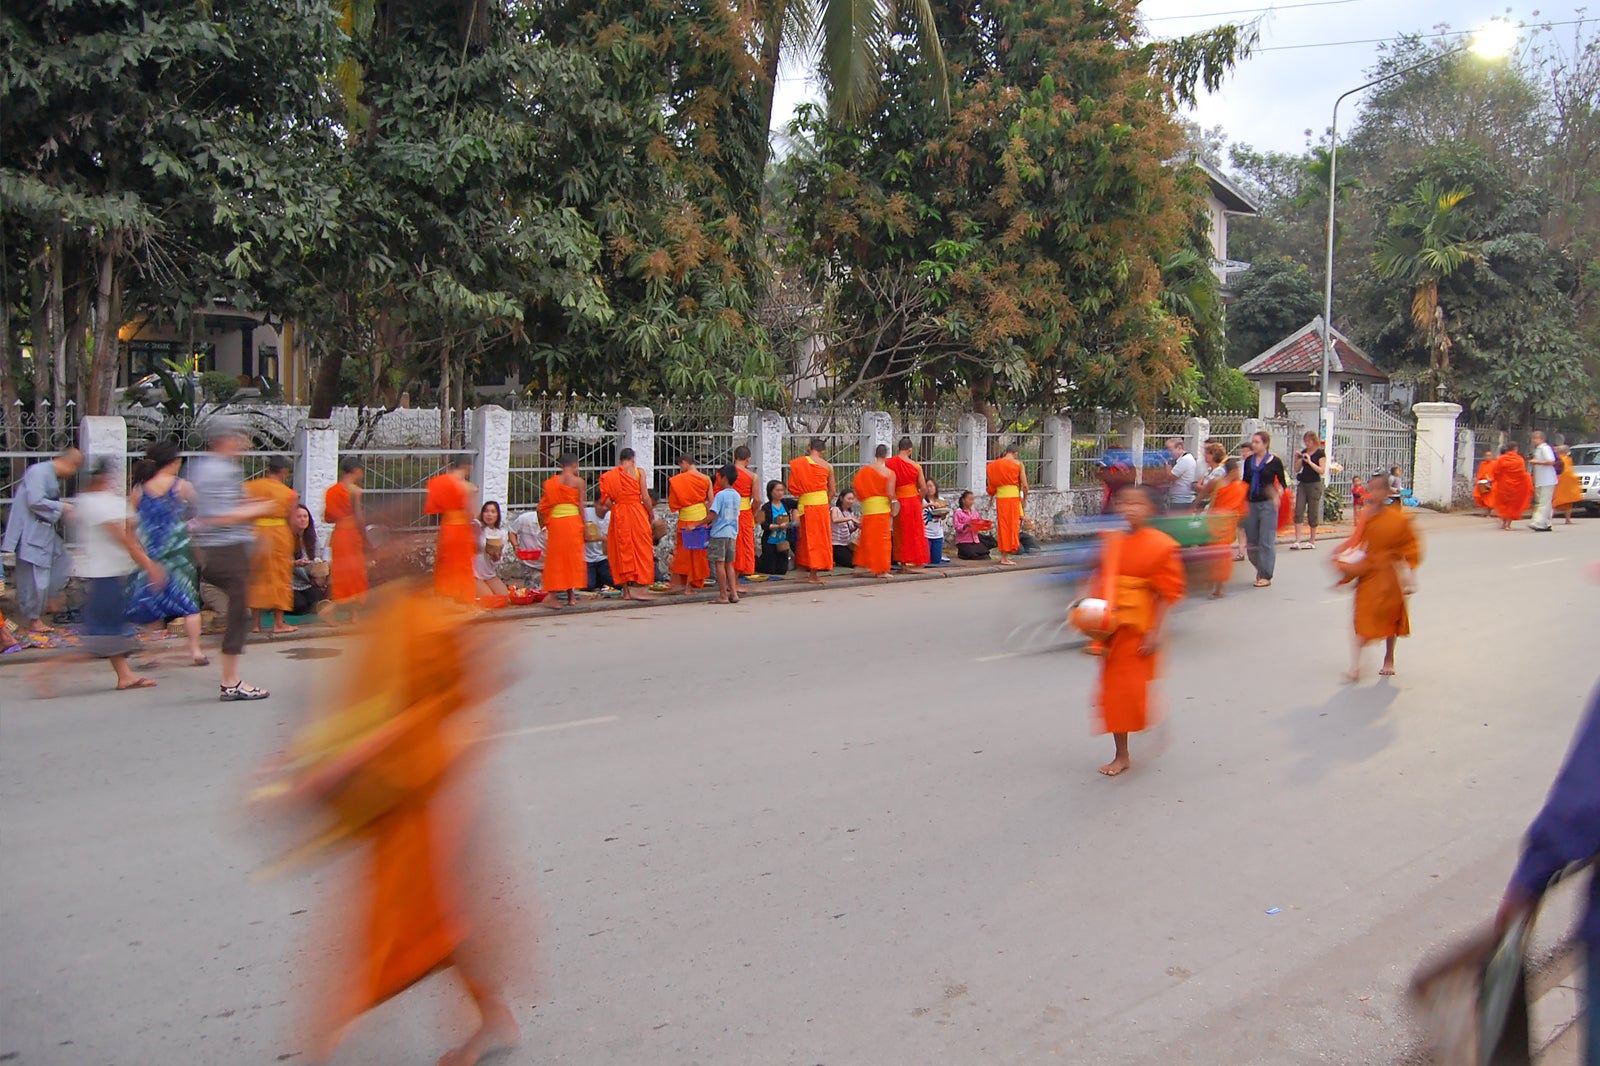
(1586, 464)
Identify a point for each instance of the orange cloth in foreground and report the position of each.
(347, 572)
(1513, 488)
(1481, 496)
(1388, 538)
(1149, 572)
(875, 546)
(807, 475)
(630, 548)
(1569, 490)
(1003, 472)
(272, 569)
(910, 531)
(1228, 505)
(687, 489)
(457, 544)
(564, 565)
(744, 551)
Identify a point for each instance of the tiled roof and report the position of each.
(1301, 353)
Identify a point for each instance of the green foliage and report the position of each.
(1275, 297)
(218, 387)
(1232, 391)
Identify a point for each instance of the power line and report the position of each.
(1419, 36)
(1252, 10)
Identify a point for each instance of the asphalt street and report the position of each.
(857, 828)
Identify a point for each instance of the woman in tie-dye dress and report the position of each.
(163, 500)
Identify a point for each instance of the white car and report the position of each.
(1586, 464)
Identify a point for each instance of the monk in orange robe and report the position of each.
(272, 570)
(341, 505)
(910, 531)
(1140, 576)
(1229, 501)
(630, 544)
(1008, 484)
(1569, 489)
(744, 483)
(688, 492)
(1483, 487)
(561, 514)
(814, 486)
(1380, 558)
(875, 485)
(386, 770)
(450, 496)
(1513, 488)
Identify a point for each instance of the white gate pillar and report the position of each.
(766, 450)
(972, 454)
(877, 427)
(316, 468)
(491, 453)
(104, 437)
(1133, 437)
(1055, 465)
(1433, 474)
(636, 429)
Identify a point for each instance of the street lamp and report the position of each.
(1493, 40)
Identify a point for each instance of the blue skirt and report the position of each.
(106, 629)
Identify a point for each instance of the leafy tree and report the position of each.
(1424, 242)
(1275, 297)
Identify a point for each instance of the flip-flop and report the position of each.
(141, 682)
(201, 661)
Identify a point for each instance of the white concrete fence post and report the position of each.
(1196, 431)
(1132, 431)
(1055, 460)
(104, 436)
(1305, 416)
(877, 427)
(491, 452)
(316, 468)
(1433, 474)
(766, 450)
(972, 453)
(636, 429)
(1248, 427)
(1466, 456)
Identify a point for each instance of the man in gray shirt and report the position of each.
(42, 561)
(223, 541)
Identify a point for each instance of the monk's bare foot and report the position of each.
(722, 599)
(275, 630)
(553, 603)
(1387, 669)
(1116, 767)
(497, 1035)
(634, 594)
(1350, 677)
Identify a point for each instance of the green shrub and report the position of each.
(218, 387)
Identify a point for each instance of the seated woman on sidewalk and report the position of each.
(846, 527)
(309, 580)
(491, 548)
(973, 541)
(776, 554)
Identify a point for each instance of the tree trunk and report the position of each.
(39, 327)
(10, 412)
(58, 342)
(444, 396)
(326, 389)
(103, 368)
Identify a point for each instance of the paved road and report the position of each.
(850, 829)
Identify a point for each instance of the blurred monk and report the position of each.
(450, 496)
(1513, 488)
(1380, 557)
(630, 545)
(387, 770)
(1569, 490)
(272, 569)
(688, 492)
(341, 505)
(1008, 484)
(744, 483)
(910, 531)
(814, 486)
(561, 514)
(1229, 500)
(1140, 576)
(1483, 487)
(874, 486)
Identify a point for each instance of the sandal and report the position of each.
(242, 691)
(1262, 583)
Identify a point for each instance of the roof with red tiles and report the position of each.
(1301, 353)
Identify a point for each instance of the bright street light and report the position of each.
(1494, 39)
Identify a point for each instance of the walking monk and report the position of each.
(910, 531)
(386, 771)
(1513, 488)
(271, 587)
(1380, 558)
(450, 496)
(1229, 501)
(1569, 490)
(341, 505)
(1008, 484)
(814, 486)
(875, 488)
(744, 483)
(1140, 577)
(1483, 487)
(630, 546)
(561, 514)
(688, 492)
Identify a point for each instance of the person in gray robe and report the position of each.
(33, 533)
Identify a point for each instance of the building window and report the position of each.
(146, 357)
(267, 361)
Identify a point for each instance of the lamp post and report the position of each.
(1492, 41)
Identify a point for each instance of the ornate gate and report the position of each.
(1368, 440)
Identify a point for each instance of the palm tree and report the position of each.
(1425, 241)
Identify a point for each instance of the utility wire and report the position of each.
(1419, 36)
(1252, 10)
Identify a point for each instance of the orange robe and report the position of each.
(875, 545)
(910, 531)
(1388, 539)
(688, 493)
(1483, 495)
(457, 544)
(1513, 488)
(1569, 490)
(808, 481)
(1228, 505)
(272, 569)
(630, 547)
(347, 573)
(744, 553)
(1149, 571)
(1005, 485)
(561, 514)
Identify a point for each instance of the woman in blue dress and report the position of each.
(163, 501)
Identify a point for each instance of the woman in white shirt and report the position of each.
(491, 548)
(108, 553)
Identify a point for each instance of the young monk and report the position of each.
(1380, 557)
(744, 483)
(341, 505)
(272, 570)
(910, 531)
(1569, 490)
(1228, 504)
(451, 496)
(688, 492)
(875, 488)
(1483, 487)
(812, 481)
(1140, 576)
(630, 545)
(1513, 488)
(561, 514)
(1008, 484)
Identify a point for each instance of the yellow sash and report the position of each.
(453, 518)
(875, 505)
(271, 522)
(565, 510)
(1134, 603)
(695, 512)
(812, 499)
(906, 492)
(1008, 492)
(744, 503)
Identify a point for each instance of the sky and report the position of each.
(1272, 98)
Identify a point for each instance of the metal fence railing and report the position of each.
(1030, 450)
(539, 437)
(395, 483)
(704, 430)
(933, 433)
